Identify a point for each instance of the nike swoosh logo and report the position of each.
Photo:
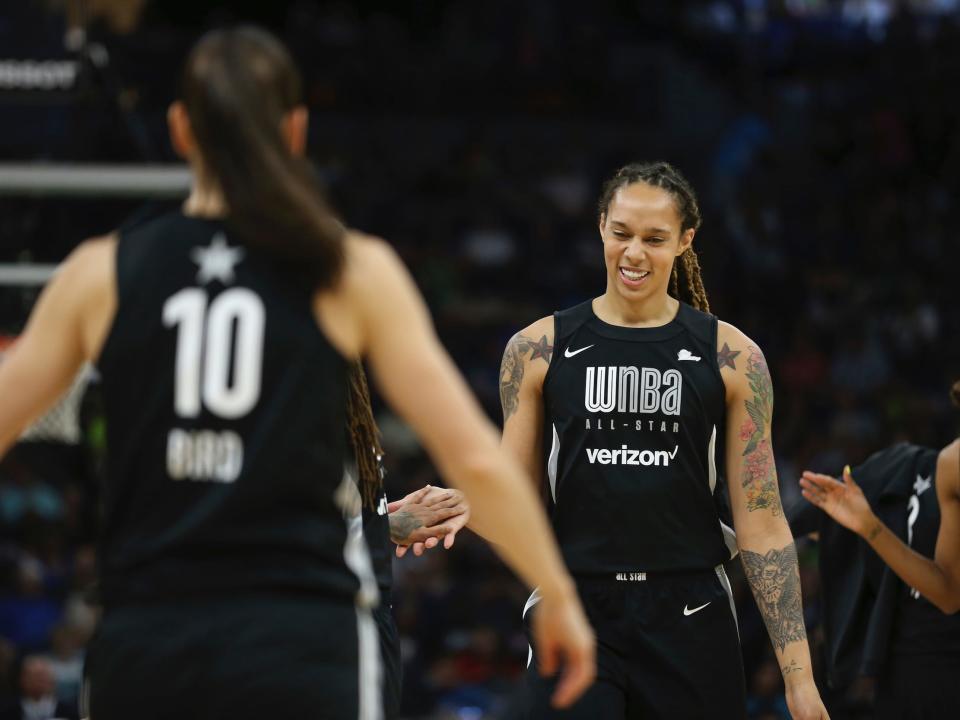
(568, 353)
(688, 611)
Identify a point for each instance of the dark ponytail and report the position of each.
(238, 85)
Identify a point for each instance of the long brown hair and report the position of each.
(364, 437)
(665, 176)
(237, 87)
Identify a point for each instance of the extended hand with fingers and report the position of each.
(425, 517)
(843, 501)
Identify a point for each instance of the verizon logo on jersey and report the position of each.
(626, 456)
(633, 389)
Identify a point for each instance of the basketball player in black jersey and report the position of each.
(224, 335)
(875, 624)
(937, 579)
(421, 520)
(636, 406)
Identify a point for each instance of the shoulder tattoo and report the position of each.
(726, 357)
(512, 368)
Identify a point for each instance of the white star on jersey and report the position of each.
(216, 261)
(922, 484)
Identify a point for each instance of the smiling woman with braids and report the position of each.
(231, 582)
(636, 406)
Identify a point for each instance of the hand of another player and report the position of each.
(564, 641)
(843, 501)
(804, 703)
(425, 517)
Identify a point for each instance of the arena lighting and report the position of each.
(72, 180)
(146, 181)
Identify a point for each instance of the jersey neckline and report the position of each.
(639, 334)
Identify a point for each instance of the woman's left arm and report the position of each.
(763, 535)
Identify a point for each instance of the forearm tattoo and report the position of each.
(793, 667)
(401, 525)
(775, 581)
(758, 475)
(874, 531)
(512, 367)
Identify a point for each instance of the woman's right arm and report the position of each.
(418, 379)
(937, 579)
(522, 370)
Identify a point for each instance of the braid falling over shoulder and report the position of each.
(364, 436)
(693, 293)
(696, 292)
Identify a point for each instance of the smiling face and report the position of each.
(642, 236)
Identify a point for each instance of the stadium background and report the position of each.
(822, 137)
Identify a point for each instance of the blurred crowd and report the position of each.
(822, 138)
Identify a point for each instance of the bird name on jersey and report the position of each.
(204, 455)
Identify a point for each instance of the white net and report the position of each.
(61, 423)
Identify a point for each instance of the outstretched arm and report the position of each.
(522, 370)
(938, 580)
(66, 328)
(766, 545)
(421, 383)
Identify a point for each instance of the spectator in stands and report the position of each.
(36, 694)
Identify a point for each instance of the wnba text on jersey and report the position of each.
(632, 389)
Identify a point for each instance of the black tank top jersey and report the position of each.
(921, 627)
(225, 409)
(633, 442)
(376, 531)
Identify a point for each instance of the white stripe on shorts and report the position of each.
(725, 581)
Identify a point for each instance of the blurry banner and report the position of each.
(38, 75)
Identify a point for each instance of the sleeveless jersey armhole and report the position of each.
(120, 289)
(565, 324)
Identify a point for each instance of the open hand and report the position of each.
(842, 501)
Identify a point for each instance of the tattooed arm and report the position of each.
(522, 371)
(763, 536)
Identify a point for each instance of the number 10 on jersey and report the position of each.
(206, 351)
(212, 337)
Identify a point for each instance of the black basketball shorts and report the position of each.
(667, 647)
(240, 658)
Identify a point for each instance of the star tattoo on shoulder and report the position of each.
(541, 349)
(726, 357)
(513, 365)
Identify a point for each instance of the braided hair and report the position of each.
(665, 176)
(364, 436)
